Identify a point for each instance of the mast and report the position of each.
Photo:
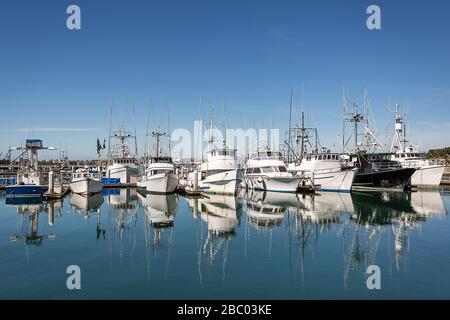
(289, 131)
(135, 134)
(224, 124)
(146, 133)
(168, 127)
(302, 146)
(344, 106)
(110, 132)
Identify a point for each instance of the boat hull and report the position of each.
(222, 183)
(24, 191)
(396, 179)
(334, 181)
(428, 177)
(122, 172)
(276, 184)
(161, 183)
(86, 186)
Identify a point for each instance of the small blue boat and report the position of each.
(24, 190)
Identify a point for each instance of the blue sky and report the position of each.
(248, 53)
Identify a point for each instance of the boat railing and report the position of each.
(267, 157)
(380, 166)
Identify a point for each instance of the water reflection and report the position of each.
(345, 231)
(86, 204)
(159, 214)
(396, 214)
(29, 211)
(221, 214)
(266, 210)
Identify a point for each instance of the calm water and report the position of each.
(256, 246)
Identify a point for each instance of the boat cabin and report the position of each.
(266, 155)
(265, 170)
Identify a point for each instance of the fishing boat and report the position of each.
(324, 172)
(123, 163)
(266, 171)
(86, 182)
(30, 180)
(160, 174)
(319, 168)
(220, 173)
(378, 171)
(428, 174)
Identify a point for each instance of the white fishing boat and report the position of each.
(428, 174)
(324, 172)
(160, 176)
(86, 182)
(319, 168)
(265, 170)
(220, 173)
(123, 162)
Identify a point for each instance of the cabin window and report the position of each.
(248, 171)
(282, 169)
(308, 158)
(329, 157)
(256, 170)
(267, 170)
(396, 155)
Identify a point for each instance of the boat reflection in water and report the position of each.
(159, 213)
(122, 209)
(221, 214)
(393, 212)
(29, 211)
(86, 204)
(325, 208)
(266, 210)
(159, 216)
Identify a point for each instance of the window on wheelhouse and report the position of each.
(282, 169)
(267, 169)
(256, 170)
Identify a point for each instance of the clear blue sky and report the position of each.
(249, 53)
